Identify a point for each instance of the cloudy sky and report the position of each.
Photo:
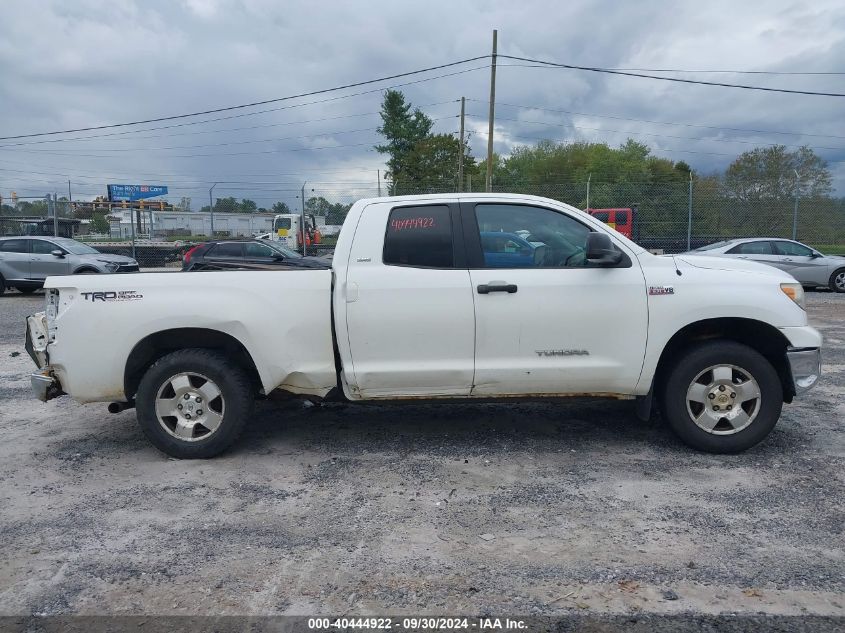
(94, 62)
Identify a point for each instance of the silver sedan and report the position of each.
(810, 267)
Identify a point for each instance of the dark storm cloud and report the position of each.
(90, 62)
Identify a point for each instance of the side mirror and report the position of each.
(816, 255)
(600, 251)
(57, 253)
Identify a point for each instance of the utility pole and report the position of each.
(378, 177)
(461, 149)
(795, 211)
(69, 197)
(689, 214)
(491, 115)
(211, 209)
(302, 219)
(55, 214)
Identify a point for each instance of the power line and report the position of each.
(683, 138)
(715, 72)
(693, 125)
(232, 129)
(675, 79)
(246, 105)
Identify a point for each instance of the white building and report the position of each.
(173, 223)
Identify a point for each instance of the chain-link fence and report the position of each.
(667, 217)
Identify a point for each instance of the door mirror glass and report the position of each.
(600, 251)
(57, 253)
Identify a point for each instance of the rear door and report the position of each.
(757, 251)
(14, 259)
(42, 262)
(254, 252)
(409, 306)
(559, 326)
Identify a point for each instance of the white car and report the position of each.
(807, 265)
(413, 308)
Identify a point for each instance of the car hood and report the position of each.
(108, 257)
(729, 263)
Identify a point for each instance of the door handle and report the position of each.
(484, 289)
(786, 259)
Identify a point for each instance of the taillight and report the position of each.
(187, 256)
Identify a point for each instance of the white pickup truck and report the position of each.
(486, 296)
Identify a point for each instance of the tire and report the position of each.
(26, 290)
(837, 280)
(86, 271)
(179, 382)
(2, 285)
(694, 390)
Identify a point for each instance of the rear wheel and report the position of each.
(722, 397)
(837, 280)
(2, 285)
(194, 403)
(27, 290)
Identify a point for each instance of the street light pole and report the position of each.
(795, 210)
(302, 219)
(211, 209)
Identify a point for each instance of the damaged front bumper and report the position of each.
(45, 385)
(805, 366)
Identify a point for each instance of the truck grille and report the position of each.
(128, 268)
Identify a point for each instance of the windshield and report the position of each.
(281, 249)
(710, 247)
(281, 223)
(77, 248)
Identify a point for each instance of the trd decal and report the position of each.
(112, 295)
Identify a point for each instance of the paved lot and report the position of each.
(519, 508)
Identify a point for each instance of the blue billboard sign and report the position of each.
(135, 192)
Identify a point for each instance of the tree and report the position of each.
(402, 130)
(99, 223)
(226, 205)
(184, 204)
(280, 207)
(248, 206)
(769, 173)
(433, 164)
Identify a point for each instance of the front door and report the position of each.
(408, 303)
(42, 262)
(797, 260)
(557, 326)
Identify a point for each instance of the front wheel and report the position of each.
(722, 397)
(194, 403)
(837, 280)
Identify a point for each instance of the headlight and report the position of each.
(109, 266)
(794, 292)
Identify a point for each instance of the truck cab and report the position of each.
(287, 228)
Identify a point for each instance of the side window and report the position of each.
(419, 236)
(13, 246)
(791, 248)
(621, 218)
(533, 237)
(227, 249)
(253, 249)
(43, 247)
(602, 216)
(752, 248)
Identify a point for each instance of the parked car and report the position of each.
(807, 265)
(26, 261)
(411, 310)
(509, 250)
(255, 254)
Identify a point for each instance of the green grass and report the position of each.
(829, 249)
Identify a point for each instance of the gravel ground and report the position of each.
(537, 509)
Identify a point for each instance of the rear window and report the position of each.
(752, 248)
(621, 218)
(13, 246)
(419, 236)
(227, 249)
(602, 216)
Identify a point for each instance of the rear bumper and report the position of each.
(805, 366)
(45, 385)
